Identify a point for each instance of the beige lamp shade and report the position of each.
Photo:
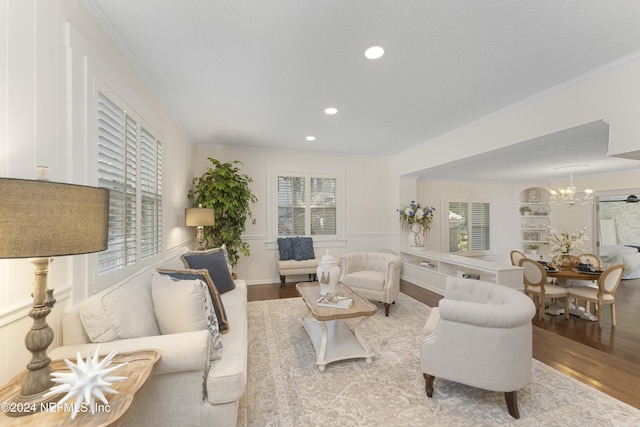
(44, 219)
(195, 217)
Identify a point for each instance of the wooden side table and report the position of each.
(138, 369)
(331, 337)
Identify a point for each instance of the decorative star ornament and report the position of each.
(86, 381)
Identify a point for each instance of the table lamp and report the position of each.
(40, 219)
(199, 217)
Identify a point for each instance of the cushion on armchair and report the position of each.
(373, 280)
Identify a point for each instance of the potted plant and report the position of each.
(532, 249)
(223, 188)
(525, 210)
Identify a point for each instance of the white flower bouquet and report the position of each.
(560, 240)
(416, 214)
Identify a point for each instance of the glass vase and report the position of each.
(566, 261)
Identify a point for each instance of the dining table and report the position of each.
(562, 277)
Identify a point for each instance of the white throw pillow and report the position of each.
(185, 306)
(122, 311)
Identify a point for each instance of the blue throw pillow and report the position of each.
(216, 265)
(285, 248)
(203, 274)
(303, 248)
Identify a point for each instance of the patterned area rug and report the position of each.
(286, 389)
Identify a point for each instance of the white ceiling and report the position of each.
(259, 73)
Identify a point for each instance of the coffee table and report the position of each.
(331, 336)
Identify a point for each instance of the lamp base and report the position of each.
(37, 379)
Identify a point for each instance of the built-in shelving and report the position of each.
(432, 269)
(534, 216)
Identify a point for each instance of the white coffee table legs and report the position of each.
(333, 340)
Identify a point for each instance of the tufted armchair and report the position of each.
(480, 335)
(372, 275)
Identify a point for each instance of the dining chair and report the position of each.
(605, 293)
(516, 256)
(592, 259)
(596, 263)
(536, 286)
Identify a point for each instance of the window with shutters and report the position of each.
(469, 227)
(130, 166)
(306, 204)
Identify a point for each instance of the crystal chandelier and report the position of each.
(570, 196)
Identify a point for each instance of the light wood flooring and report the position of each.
(607, 359)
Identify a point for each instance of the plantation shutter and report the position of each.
(480, 226)
(151, 194)
(117, 168)
(291, 206)
(323, 206)
(130, 166)
(458, 228)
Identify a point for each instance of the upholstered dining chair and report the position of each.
(605, 293)
(537, 286)
(372, 275)
(516, 256)
(480, 335)
(592, 259)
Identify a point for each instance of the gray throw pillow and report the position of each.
(216, 264)
(285, 248)
(303, 248)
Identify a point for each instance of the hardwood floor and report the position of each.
(607, 359)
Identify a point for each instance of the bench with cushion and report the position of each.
(296, 257)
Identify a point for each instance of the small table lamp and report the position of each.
(199, 217)
(41, 219)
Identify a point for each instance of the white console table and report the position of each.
(430, 269)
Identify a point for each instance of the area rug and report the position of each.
(286, 389)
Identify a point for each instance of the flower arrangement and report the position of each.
(415, 214)
(563, 241)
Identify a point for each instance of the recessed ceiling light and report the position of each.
(310, 138)
(331, 111)
(374, 52)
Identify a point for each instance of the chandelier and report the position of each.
(570, 196)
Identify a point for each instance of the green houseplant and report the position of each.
(223, 188)
(525, 210)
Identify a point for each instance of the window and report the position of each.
(469, 227)
(295, 194)
(130, 166)
(305, 201)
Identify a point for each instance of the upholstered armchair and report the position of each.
(372, 275)
(480, 335)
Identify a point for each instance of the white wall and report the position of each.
(371, 201)
(504, 212)
(51, 51)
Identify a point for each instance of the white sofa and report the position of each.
(186, 388)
